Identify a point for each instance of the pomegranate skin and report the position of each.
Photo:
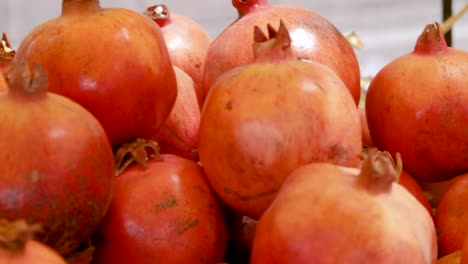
(179, 134)
(451, 217)
(323, 215)
(464, 251)
(415, 189)
(58, 163)
(120, 71)
(248, 159)
(175, 218)
(416, 105)
(313, 37)
(186, 40)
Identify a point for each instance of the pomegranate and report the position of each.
(330, 214)
(165, 212)
(6, 52)
(313, 37)
(451, 216)
(17, 245)
(113, 62)
(186, 40)
(403, 115)
(58, 163)
(276, 114)
(179, 134)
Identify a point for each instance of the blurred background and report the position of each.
(388, 29)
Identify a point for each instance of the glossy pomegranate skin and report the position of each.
(111, 61)
(313, 37)
(166, 212)
(416, 105)
(58, 166)
(186, 40)
(451, 216)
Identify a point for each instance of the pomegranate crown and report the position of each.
(158, 13)
(6, 51)
(274, 47)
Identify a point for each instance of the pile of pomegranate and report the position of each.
(133, 137)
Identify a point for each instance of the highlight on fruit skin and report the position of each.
(330, 47)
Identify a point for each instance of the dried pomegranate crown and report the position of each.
(6, 52)
(275, 47)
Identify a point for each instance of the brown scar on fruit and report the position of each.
(168, 203)
(229, 105)
(184, 226)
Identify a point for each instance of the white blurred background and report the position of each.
(387, 28)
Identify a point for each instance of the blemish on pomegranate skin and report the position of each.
(228, 106)
(186, 225)
(166, 204)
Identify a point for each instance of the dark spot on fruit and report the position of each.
(184, 226)
(168, 203)
(228, 106)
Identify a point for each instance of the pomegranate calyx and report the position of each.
(135, 152)
(274, 48)
(24, 81)
(245, 7)
(379, 171)
(15, 234)
(159, 14)
(431, 40)
(80, 7)
(6, 51)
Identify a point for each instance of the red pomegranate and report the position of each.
(186, 40)
(451, 216)
(416, 105)
(165, 212)
(113, 62)
(58, 163)
(313, 38)
(263, 120)
(327, 214)
(179, 134)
